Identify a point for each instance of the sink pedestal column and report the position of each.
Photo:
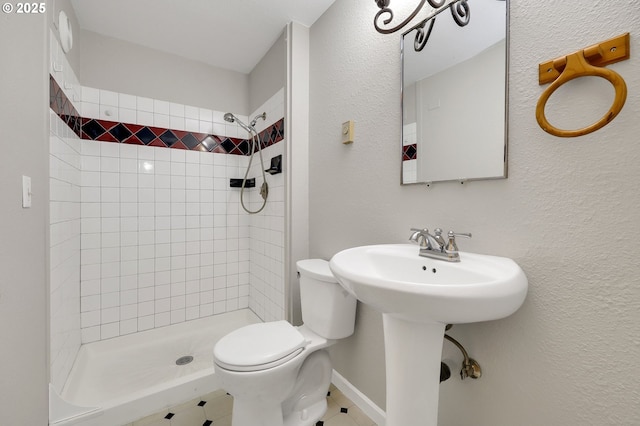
(413, 352)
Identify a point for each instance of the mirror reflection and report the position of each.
(454, 98)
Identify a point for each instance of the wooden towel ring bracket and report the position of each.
(586, 62)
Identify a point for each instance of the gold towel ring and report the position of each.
(575, 66)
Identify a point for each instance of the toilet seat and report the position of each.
(259, 347)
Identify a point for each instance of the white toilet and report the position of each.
(279, 374)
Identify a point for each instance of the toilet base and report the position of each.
(253, 413)
(305, 404)
(308, 416)
(256, 414)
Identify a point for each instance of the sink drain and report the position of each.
(184, 360)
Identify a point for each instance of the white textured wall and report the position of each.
(269, 75)
(125, 67)
(567, 214)
(24, 119)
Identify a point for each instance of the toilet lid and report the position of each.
(258, 346)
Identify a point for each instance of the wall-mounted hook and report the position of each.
(586, 62)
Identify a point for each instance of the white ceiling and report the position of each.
(230, 34)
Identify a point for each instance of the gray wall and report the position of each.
(269, 75)
(567, 214)
(116, 65)
(24, 89)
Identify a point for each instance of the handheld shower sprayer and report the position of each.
(233, 119)
(255, 141)
(229, 117)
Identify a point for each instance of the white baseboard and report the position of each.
(374, 412)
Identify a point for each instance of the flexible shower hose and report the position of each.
(264, 189)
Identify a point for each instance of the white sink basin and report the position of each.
(393, 279)
(418, 296)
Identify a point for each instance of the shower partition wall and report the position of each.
(267, 229)
(64, 218)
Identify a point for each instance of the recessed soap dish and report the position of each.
(276, 165)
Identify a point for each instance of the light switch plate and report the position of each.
(26, 192)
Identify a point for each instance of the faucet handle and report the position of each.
(459, 234)
(438, 237)
(452, 246)
(425, 230)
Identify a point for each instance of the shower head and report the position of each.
(233, 119)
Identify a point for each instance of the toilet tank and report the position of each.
(327, 309)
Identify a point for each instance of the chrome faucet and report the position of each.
(434, 246)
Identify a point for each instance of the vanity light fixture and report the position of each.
(459, 11)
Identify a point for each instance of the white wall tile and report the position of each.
(128, 115)
(109, 149)
(108, 98)
(161, 107)
(127, 101)
(161, 120)
(109, 112)
(191, 125)
(144, 104)
(205, 127)
(177, 123)
(192, 112)
(90, 94)
(144, 118)
(90, 110)
(165, 229)
(205, 115)
(177, 110)
(128, 151)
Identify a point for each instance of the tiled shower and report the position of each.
(145, 229)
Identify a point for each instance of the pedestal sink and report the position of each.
(418, 297)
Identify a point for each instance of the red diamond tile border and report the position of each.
(410, 152)
(63, 107)
(101, 130)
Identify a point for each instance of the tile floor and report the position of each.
(215, 410)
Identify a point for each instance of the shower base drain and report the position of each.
(184, 360)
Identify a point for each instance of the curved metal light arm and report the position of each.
(459, 11)
(384, 9)
(421, 38)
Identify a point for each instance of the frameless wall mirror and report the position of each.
(454, 98)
